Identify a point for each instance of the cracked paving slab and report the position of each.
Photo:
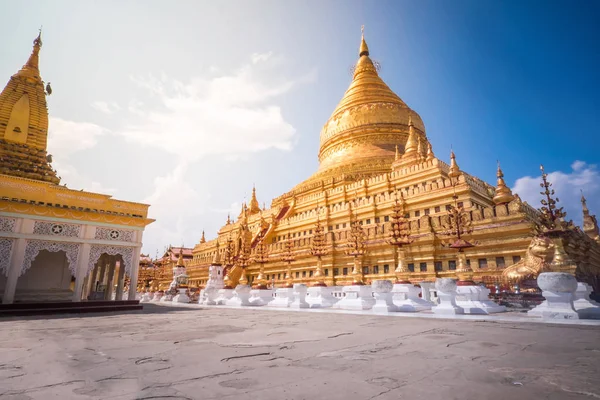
(184, 353)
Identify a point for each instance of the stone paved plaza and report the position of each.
(183, 353)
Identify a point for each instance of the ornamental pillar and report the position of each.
(101, 273)
(81, 271)
(91, 286)
(110, 279)
(14, 270)
(120, 282)
(135, 265)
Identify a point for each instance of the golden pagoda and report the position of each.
(373, 151)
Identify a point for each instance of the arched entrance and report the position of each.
(48, 272)
(49, 278)
(109, 270)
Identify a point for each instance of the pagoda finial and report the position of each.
(254, 206)
(584, 203)
(202, 239)
(411, 143)
(454, 169)
(430, 155)
(397, 154)
(31, 67)
(503, 192)
(364, 49)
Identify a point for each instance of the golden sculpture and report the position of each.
(537, 258)
(373, 146)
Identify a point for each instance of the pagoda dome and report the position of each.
(361, 136)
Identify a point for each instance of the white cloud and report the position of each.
(106, 108)
(70, 176)
(68, 137)
(177, 207)
(231, 114)
(261, 57)
(568, 186)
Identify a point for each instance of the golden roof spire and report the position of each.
(584, 204)
(397, 154)
(411, 143)
(254, 206)
(31, 68)
(24, 123)
(202, 239)
(454, 169)
(430, 155)
(503, 192)
(367, 107)
(364, 49)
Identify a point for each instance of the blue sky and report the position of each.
(187, 104)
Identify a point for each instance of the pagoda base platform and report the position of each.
(406, 298)
(320, 297)
(475, 300)
(166, 297)
(260, 297)
(241, 296)
(356, 298)
(586, 308)
(223, 296)
(299, 296)
(283, 298)
(181, 297)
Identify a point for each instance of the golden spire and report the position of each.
(180, 259)
(584, 204)
(503, 193)
(359, 117)
(228, 219)
(419, 149)
(411, 143)
(397, 154)
(254, 206)
(24, 123)
(31, 68)
(202, 239)
(364, 49)
(454, 169)
(430, 155)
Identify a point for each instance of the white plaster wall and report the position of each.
(48, 271)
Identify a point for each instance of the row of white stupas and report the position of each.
(565, 298)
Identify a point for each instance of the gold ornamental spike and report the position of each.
(454, 169)
(364, 49)
(503, 192)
